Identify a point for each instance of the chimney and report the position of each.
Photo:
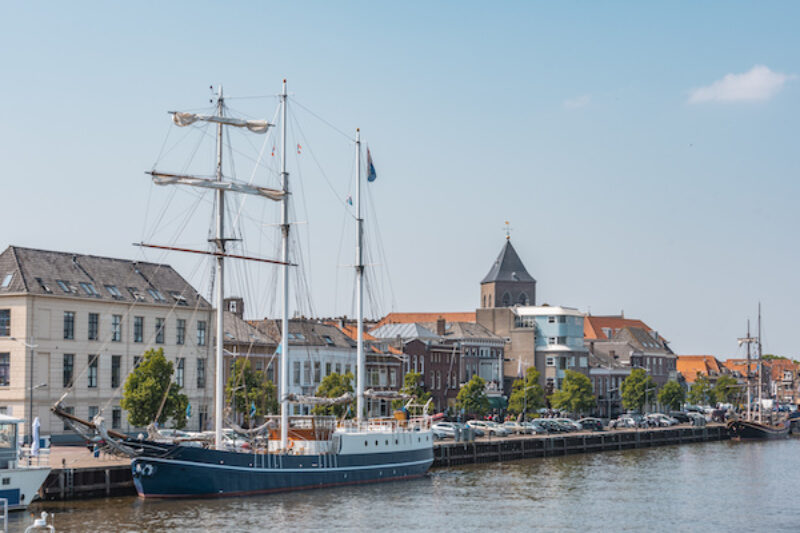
(235, 306)
(440, 325)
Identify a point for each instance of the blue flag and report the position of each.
(252, 409)
(188, 410)
(371, 174)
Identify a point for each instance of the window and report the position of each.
(5, 322)
(550, 361)
(89, 289)
(551, 320)
(307, 372)
(506, 299)
(271, 373)
(432, 380)
(136, 360)
(551, 340)
(561, 340)
(201, 373)
(92, 374)
(299, 336)
(69, 325)
(63, 285)
(296, 373)
(116, 364)
(116, 418)
(138, 329)
(114, 292)
(179, 373)
(327, 369)
(180, 332)
(562, 319)
(93, 410)
(327, 338)
(7, 280)
(69, 411)
(116, 328)
(157, 296)
(43, 285)
(69, 365)
(180, 300)
(94, 326)
(317, 371)
(5, 369)
(136, 294)
(159, 331)
(201, 332)
(346, 369)
(338, 368)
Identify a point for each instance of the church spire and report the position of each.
(508, 282)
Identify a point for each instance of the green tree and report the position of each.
(333, 385)
(412, 387)
(250, 388)
(526, 394)
(637, 389)
(575, 395)
(726, 389)
(472, 397)
(672, 395)
(148, 386)
(701, 392)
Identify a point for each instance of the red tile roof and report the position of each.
(692, 365)
(593, 325)
(408, 318)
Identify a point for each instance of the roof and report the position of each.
(463, 331)
(593, 325)
(642, 340)
(546, 310)
(692, 365)
(91, 277)
(407, 318)
(351, 330)
(404, 331)
(508, 267)
(305, 332)
(238, 331)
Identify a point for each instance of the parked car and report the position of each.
(517, 427)
(680, 416)
(592, 424)
(478, 429)
(497, 430)
(444, 430)
(538, 426)
(697, 419)
(568, 423)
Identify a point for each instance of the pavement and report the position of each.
(80, 457)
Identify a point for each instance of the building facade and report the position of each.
(79, 324)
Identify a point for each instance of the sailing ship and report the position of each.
(753, 427)
(286, 452)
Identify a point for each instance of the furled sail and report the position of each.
(386, 395)
(160, 178)
(318, 400)
(187, 119)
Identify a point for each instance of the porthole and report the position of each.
(395, 441)
(376, 443)
(365, 443)
(387, 442)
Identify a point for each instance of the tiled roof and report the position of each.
(305, 332)
(238, 331)
(593, 325)
(407, 318)
(508, 267)
(404, 331)
(692, 365)
(463, 330)
(642, 340)
(91, 277)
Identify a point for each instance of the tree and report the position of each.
(412, 387)
(333, 385)
(701, 392)
(637, 389)
(150, 385)
(526, 394)
(672, 395)
(575, 395)
(726, 389)
(472, 397)
(250, 388)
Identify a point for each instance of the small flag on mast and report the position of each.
(371, 174)
(299, 149)
(349, 200)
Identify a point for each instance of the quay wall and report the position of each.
(116, 480)
(488, 450)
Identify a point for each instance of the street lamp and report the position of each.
(30, 386)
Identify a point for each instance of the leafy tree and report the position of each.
(701, 392)
(575, 395)
(771, 357)
(145, 390)
(672, 395)
(333, 385)
(472, 397)
(526, 393)
(412, 387)
(250, 387)
(637, 389)
(726, 389)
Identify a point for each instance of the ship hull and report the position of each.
(199, 473)
(743, 430)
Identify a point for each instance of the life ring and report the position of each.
(147, 470)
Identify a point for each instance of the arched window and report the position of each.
(506, 299)
(522, 299)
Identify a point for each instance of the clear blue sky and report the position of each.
(635, 174)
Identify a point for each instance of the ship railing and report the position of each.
(385, 425)
(27, 458)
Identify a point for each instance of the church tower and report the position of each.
(508, 282)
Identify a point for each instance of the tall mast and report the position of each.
(218, 285)
(359, 286)
(749, 393)
(760, 384)
(284, 363)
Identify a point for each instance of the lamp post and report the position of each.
(645, 395)
(31, 388)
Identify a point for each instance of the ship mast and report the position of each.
(219, 240)
(760, 383)
(284, 362)
(748, 340)
(359, 288)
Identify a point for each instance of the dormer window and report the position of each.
(89, 289)
(7, 280)
(328, 339)
(114, 292)
(157, 296)
(63, 285)
(180, 300)
(44, 286)
(135, 294)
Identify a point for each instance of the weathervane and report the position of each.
(508, 229)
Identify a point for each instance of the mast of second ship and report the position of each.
(284, 362)
(219, 240)
(360, 373)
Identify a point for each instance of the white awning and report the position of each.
(186, 119)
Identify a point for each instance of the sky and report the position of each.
(644, 155)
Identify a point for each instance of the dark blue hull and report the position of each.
(195, 472)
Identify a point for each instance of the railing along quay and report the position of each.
(494, 449)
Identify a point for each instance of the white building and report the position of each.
(78, 324)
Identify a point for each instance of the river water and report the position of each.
(718, 486)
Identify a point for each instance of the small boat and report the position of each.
(21, 473)
(751, 430)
